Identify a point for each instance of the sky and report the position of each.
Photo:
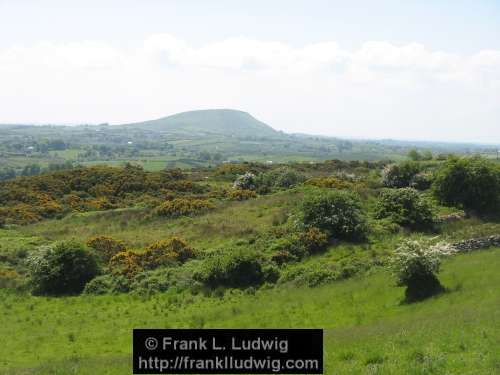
(414, 70)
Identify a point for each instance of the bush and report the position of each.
(470, 183)
(106, 247)
(405, 207)
(338, 213)
(126, 263)
(241, 194)
(282, 256)
(234, 269)
(246, 181)
(415, 266)
(309, 275)
(421, 181)
(9, 278)
(399, 175)
(183, 207)
(162, 279)
(107, 284)
(314, 240)
(166, 252)
(329, 182)
(64, 269)
(286, 178)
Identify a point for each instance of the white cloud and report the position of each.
(379, 89)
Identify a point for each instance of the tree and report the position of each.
(246, 181)
(400, 175)
(470, 183)
(31, 170)
(7, 174)
(415, 266)
(414, 155)
(338, 213)
(62, 270)
(405, 207)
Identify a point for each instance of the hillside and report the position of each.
(222, 122)
(187, 249)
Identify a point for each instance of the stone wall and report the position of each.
(476, 243)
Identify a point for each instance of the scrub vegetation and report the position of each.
(361, 249)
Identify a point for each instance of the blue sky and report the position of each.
(374, 69)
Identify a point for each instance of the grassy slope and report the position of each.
(367, 330)
(230, 221)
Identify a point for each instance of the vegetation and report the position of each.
(470, 183)
(231, 269)
(64, 269)
(415, 266)
(407, 208)
(337, 212)
(367, 329)
(185, 248)
(400, 175)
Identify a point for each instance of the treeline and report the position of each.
(34, 169)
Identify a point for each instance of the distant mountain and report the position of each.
(223, 122)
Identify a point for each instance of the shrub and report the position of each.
(126, 263)
(470, 183)
(282, 256)
(234, 269)
(246, 181)
(421, 181)
(241, 194)
(338, 213)
(64, 269)
(166, 252)
(314, 240)
(405, 207)
(288, 248)
(184, 207)
(107, 284)
(284, 178)
(415, 266)
(329, 182)
(9, 278)
(162, 279)
(399, 175)
(106, 247)
(310, 275)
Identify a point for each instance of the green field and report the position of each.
(367, 329)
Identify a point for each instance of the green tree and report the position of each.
(62, 270)
(414, 155)
(405, 207)
(338, 213)
(470, 183)
(400, 175)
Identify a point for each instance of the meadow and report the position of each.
(367, 328)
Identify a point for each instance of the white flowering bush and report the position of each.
(415, 265)
(61, 270)
(246, 182)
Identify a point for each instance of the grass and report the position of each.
(367, 329)
(229, 222)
